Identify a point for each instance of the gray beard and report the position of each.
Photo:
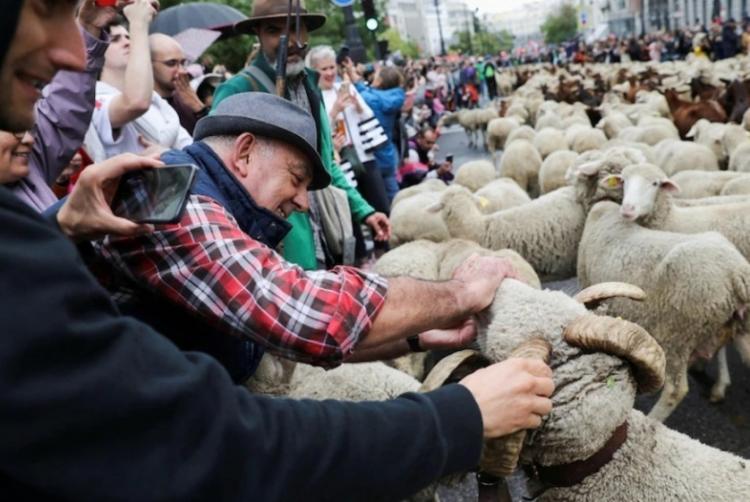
(292, 70)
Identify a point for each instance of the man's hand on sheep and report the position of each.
(512, 395)
(446, 339)
(481, 276)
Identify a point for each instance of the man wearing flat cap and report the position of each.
(214, 283)
(304, 245)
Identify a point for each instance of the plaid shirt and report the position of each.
(208, 266)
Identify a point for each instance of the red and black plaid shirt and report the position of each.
(208, 266)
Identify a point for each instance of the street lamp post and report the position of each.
(353, 40)
(440, 29)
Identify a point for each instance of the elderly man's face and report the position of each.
(269, 33)
(278, 175)
(46, 40)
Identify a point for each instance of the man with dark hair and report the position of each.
(97, 406)
(420, 162)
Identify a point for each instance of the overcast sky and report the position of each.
(496, 5)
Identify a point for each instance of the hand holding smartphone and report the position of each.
(154, 195)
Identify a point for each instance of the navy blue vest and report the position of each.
(240, 356)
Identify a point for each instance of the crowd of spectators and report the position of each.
(126, 345)
(719, 40)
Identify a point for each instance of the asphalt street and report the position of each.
(723, 425)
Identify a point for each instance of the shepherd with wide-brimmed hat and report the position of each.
(269, 21)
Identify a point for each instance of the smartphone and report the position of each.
(154, 195)
(449, 158)
(342, 55)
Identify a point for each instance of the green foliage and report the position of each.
(396, 43)
(483, 42)
(561, 25)
(234, 52)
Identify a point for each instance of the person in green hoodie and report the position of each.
(304, 245)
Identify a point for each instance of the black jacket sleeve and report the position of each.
(96, 406)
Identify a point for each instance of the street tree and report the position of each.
(561, 25)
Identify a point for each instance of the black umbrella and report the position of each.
(207, 15)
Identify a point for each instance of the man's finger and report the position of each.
(537, 368)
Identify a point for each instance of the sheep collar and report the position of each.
(566, 475)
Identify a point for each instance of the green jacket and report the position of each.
(299, 246)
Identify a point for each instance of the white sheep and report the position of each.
(499, 194)
(587, 139)
(697, 288)
(427, 185)
(523, 132)
(549, 120)
(647, 200)
(553, 170)
(497, 133)
(674, 155)
(697, 184)
(549, 140)
(545, 231)
(475, 174)
(411, 221)
(599, 364)
(649, 134)
(612, 123)
(739, 159)
(738, 186)
(521, 162)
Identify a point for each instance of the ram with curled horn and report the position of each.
(594, 446)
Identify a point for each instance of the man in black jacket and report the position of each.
(96, 406)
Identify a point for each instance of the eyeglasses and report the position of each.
(171, 63)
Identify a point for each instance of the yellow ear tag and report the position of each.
(483, 202)
(613, 182)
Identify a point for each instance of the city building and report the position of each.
(418, 21)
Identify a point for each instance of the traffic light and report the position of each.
(371, 17)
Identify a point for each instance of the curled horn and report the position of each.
(624, 339)
(453, 368)
(500, 456)
(592, 296)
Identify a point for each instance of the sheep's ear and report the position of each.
(670, 186)
(588, 169)
(693, 131)
(436, 207)
(612, 181)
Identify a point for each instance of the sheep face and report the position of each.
(591, 168)
(641, 186)
(594, 391)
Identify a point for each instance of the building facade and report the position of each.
(423, 21)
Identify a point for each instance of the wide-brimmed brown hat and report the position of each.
(278, 9)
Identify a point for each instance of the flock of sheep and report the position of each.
(657, 231)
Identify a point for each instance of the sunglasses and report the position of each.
(172, 63)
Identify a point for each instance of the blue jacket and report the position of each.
(386, 105)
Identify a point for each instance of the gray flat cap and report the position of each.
(270, 116)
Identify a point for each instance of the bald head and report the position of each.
(169, 63)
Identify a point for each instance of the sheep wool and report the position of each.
(694, 284)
